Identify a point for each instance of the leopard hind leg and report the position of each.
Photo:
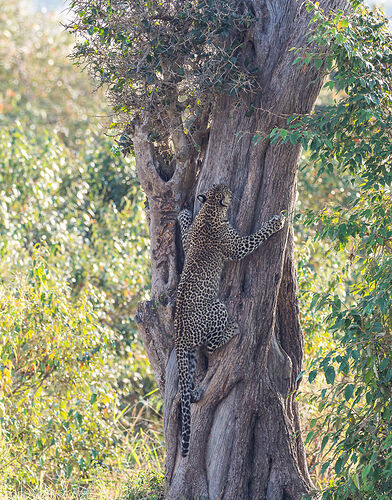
(221, 329)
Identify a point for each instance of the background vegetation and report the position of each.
(78, 405)
(79, 412)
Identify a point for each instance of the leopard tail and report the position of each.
(185, 387)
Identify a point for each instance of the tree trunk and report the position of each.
(245, 433)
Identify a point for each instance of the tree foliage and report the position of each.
(350, 139)
(165, 59)
(70, 359)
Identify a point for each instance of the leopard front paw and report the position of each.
(234, 327)
(197, 394)
(185, 215)
(278, 221)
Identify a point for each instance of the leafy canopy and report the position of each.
(165, 61)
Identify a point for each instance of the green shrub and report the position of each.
(350, 139)
(57, 407)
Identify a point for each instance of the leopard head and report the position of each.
(219, 196)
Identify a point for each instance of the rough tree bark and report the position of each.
(245, 440)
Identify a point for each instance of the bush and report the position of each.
(58, 407)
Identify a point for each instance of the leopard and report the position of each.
(201, 319)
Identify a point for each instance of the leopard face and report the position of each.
(219, 197)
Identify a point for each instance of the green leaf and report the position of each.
(318, 63)
(315, 298)
(356, 481)
(309, 437)
(384, 303)
(325, 466)
(312, 376)
(68, 471)
(329, 373)
(324, 442)
(365, 472)
(348, 391)
(339, 464)
(283, 134)
(293, 138)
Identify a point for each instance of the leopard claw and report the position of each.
(197, 394)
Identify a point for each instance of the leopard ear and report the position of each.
(202, 197)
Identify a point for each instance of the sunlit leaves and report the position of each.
(87, 212)
(46, 415)
(70, 358)
(350, 139)
(355, 131)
